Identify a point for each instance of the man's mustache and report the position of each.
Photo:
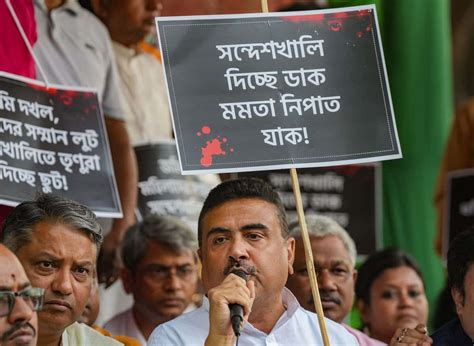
(326, 296)
(239, 265)
(15, 328)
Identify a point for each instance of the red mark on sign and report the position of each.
(212, 148)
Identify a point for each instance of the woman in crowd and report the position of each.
(390, 294)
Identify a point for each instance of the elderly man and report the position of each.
(243, 231)
(334, 254)
(57, 241)
(159, 255)
(74, 48)
(460, 331)
(18, 303)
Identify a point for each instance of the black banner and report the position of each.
(162, 188)
(53, 140)
(348, 194)
(268, 91)
(459, 210)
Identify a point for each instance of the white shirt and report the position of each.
(148, 116)
(82, 334)
(124, 324)
(295, 327)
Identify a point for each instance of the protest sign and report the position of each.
(162, 188)
(459, 205)
(53, 140)
(348, 194)
(278, 90)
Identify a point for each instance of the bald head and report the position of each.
(20, 325)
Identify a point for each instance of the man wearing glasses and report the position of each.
(19, 303)
(57, 242)
(160, 260)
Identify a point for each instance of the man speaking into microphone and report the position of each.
(246, 255)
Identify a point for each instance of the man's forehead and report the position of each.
(11, 272)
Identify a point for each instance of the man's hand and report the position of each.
(108, 263)
(233, 290)
(408, 336)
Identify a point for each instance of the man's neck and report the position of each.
(265, 314)
(146, 324)
(52, 339)
(52, 4)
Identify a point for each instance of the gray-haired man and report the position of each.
(334, 254)
(160, 260)
(57, 242)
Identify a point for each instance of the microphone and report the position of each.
(236, 310)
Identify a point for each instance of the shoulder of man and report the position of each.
(82, 334)
(338, 335)
(451, 333)
(191, 327)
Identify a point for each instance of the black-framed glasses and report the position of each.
(33, 296)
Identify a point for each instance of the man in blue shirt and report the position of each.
(460, 331)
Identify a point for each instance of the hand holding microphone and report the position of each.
(236, 310)
(230, 304)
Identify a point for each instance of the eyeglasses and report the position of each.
(32, 296)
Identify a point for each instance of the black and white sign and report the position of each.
(162, 188)
(459, 210)
(53, 140)
(349, 195)
(278, 90)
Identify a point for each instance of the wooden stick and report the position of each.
(309, 256)
(307, 244)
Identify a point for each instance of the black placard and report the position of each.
(278, 90)
(162, 190)
(348, 194)
(459, 209)
(52, 140)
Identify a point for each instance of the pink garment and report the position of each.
(363, 339)
(14, 56)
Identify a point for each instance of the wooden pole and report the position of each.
(309, 256)
(307, 244)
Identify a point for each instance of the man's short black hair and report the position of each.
(460, 259)
(239, 189)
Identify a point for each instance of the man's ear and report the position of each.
(354, 275)
(291, 254)
(127, 280)
(199, 252)
(458, 300)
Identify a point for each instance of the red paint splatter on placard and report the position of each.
(213, 147)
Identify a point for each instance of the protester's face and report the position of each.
(164, 282)
(61, 260)
(247, 231)
(129, 21)
(397, 300)
(335, 277)
(91, 311)
(465, 305)
(21, 325)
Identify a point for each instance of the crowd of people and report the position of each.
(49, 286)
(54, 252)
